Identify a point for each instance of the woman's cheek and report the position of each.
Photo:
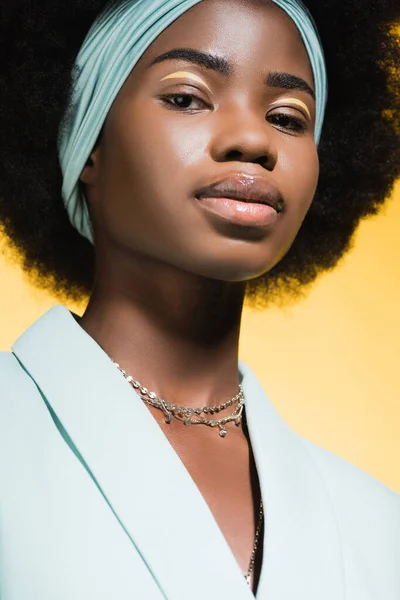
(299, 176)
(183, 141)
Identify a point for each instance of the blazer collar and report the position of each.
(149, 489)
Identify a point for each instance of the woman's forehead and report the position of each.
(254, 34)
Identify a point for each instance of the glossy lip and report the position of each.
(247, 214)
(244, 188)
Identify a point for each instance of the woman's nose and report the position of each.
(245, 136)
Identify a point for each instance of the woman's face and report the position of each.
(234, 108)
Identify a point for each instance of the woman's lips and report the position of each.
(239, 212)
(242, 199)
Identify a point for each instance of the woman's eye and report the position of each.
(188, 102)
(288, 122)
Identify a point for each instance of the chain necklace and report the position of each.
(187, 416)
(190, 416)
(255, 545)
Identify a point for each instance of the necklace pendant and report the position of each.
(168, 418)
(223, 432)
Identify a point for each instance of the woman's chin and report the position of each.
(236, 271)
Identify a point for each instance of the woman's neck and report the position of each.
(177, 334)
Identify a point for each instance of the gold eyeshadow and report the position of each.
(187, 74)
(294, 101)
(180, 74)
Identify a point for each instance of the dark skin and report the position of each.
(170, 280)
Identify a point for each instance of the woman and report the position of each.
(188, 141)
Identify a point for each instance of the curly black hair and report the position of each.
(359, 150)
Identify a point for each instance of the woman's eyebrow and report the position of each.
(203, 59)
(287, 81)
(223, 67)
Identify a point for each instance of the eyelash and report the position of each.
(168, 101)
(294, 124)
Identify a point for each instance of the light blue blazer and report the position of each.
(95, 504)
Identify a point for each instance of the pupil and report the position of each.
(184, 101)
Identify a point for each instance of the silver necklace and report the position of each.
(187, 416)
(190, 416)
(255, 545)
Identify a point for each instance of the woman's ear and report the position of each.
(90, 172)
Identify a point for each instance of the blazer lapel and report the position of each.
(302, 553)
(132, 463)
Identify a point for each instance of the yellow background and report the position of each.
(330, 364)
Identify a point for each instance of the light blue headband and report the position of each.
(113, 46)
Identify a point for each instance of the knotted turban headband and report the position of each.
(111, 49)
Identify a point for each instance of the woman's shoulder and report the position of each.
(12, 374)
(17, 389)
(340, 474)
(361, 502)
(367, 515)
(11, 371)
